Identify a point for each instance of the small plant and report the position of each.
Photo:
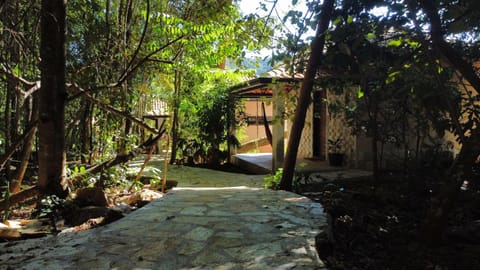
(156, 180)
(50, 207)
(335, 146)
(272, 181)
(6, 198)
(336, 156)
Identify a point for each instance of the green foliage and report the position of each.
(300, 180)
(335, 145)
(112, 177)
(272, 181)
(126, 55)
(6, 197)
(49, 207)
(204, 113)
(156, 180)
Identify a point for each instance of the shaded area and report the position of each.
(378, 228)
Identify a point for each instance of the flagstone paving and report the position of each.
(236, 226)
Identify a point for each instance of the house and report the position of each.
(277, 90)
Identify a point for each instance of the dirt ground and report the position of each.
(379, 228)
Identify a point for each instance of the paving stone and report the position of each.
(190, 228)
(230, 234)
(199, 234)
(259, 227)
(219, 213)
(210, 258)
(191, 247)
(195, 211)
(220, 243)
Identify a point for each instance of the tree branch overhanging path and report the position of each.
(305, 91)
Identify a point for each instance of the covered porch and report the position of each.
(276, 91)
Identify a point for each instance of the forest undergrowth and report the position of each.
(380, 228)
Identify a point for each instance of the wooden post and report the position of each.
(278, 129)
(319, 139)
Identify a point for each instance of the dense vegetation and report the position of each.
(405, 68)
(120, 59)
(76, 88)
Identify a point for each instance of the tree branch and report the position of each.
(144, 31)
(12, 75)
(119, 159)
(127, 74)
(19, 197)
(10, 151)
(454, 58)
(112, 109)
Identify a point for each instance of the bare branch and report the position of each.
(128, 73)
(12, 75)
(10, 151)
(144, 31)
(119, 159)
(112, 109)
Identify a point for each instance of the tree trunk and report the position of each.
(11, 56)
(375, 138)
(7, 136)
(320, 124)
(437, 217)
(22, 168)
(442, 205)
(51, 127)
(86, 132)
(19, 197)
(304, 99)
(454, 58)
(174, 128)
(30, 115)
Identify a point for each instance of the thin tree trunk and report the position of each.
(11, 150)
(6, 118)
(12, 57)
(19, 197)
(441, 206)
(26, 152)
(27, 148)
(304, 99)
(86, 132)
(375, 139)
(454, 58)
(119, 159)
(174, 128)
(52, 95)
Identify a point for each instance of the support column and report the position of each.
(319, 126)
(278, 129)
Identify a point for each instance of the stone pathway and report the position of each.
(190, 228)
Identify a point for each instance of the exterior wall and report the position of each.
(337, 128)
(306, 142)
(468, 92)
